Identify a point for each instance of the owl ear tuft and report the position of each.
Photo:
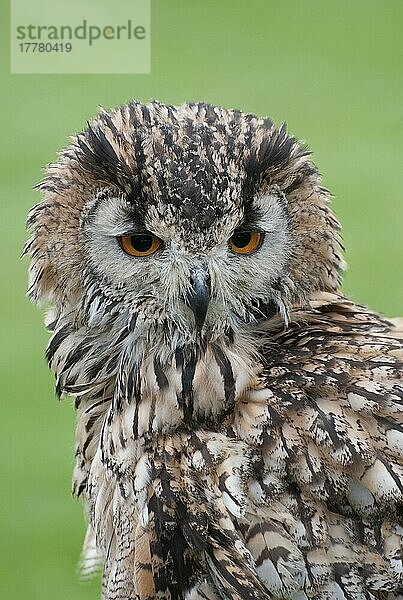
(276, 149)
(273, 150)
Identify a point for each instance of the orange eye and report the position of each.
(139, 244)
(246, 242)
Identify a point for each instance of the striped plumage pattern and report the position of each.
(261, 457)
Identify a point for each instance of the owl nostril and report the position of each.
(199, 296)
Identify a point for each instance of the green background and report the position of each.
(331, 69)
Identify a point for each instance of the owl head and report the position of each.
(193, 220)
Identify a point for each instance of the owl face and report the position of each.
(202, 274)
(194, 220)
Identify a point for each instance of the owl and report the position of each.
(239, 421)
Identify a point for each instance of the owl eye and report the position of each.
(246, 242)
(139, 244)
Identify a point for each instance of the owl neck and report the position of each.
(192, 385)
(147, 381)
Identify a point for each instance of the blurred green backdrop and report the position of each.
(332, 70)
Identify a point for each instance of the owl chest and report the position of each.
(163, 458)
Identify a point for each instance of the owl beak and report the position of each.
(199, 297)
